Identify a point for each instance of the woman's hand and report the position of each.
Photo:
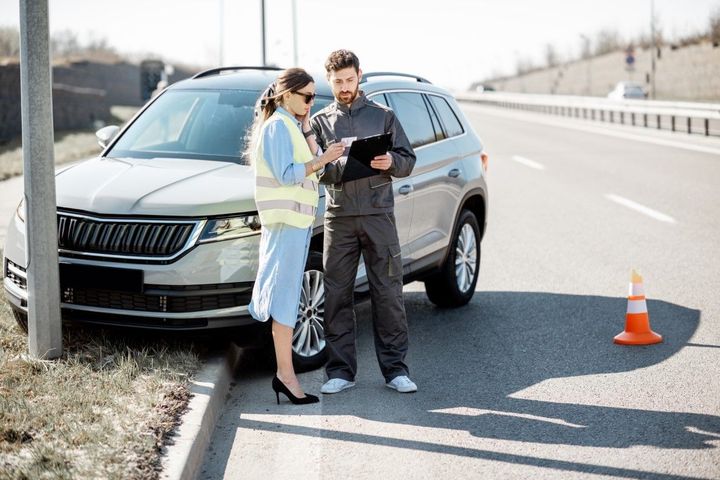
(333, 152)
(304, 121)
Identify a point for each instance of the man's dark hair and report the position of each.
(340, 59)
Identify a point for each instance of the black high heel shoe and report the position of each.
(279, 387)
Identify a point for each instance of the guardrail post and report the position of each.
(602, 115)
(707, 127)
(632, 118)
(658, 122)
(622, 118)
(672, 123)
(645, 119)
(689, 122)
(612, 116)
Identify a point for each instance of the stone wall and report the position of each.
(83, 92)
(691, 73)
(74, 107)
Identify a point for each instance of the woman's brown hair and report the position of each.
(290, 80)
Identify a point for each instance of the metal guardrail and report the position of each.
(647, 113)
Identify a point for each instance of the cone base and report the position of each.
(645, 338)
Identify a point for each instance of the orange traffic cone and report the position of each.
(637, 323)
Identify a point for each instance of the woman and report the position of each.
(286, 194)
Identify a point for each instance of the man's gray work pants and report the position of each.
(376, 237)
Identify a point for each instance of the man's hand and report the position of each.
(381, 162)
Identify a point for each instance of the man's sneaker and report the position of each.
(402, 384)
(335, 385)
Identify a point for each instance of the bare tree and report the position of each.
(64, 43)
(523, 66)
(9, 42)
(715, 26)
(606, 41)
(586, 47)
(551, 56)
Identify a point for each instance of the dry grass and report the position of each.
(69, 146)
(106, 407)
(103, 410)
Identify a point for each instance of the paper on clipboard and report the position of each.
(362, 152)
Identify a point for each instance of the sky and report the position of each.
(450, 42)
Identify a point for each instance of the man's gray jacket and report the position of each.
(370, 195)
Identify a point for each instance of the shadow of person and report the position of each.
(470, 363)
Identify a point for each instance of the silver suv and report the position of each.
(161, 230)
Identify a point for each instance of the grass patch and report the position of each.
(103, 410)
(69, 146)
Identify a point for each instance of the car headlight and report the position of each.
(231, 227)
(20, 211)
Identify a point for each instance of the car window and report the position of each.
(439, 134)
(203, 124)
(453, 127)
(380, 98)
(198, 124)
(413, 116)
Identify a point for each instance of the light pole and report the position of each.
(654, 47)
(221, 32)
(295, 35)
(262, 26)
(588, 60)
(43, 279)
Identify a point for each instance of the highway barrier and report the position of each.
(688, 117)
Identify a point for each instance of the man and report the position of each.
(359, 218)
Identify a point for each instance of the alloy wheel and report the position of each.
(465, 258)
(309, 335)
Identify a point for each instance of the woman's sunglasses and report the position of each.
(309, 97)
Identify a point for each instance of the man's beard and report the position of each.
(348, 97)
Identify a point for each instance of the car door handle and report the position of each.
(405, 189)
(455, 172)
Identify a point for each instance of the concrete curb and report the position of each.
(183, 459)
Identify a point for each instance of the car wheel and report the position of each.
(21, 319)
(308, 341)
(454, 285)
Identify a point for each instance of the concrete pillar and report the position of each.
(44, 322)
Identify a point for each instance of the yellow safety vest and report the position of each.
(290, 204)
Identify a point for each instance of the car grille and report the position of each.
(160, 298)
(122, 237)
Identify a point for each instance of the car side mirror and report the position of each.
(106, 134)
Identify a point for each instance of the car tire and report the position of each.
(21, 319)
(454, 285)
(308, 342)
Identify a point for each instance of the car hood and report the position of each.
(160, 186)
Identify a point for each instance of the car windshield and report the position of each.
(198, 124)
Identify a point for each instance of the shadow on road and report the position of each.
(469, 361)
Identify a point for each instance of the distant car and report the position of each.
(484, 88)
(627, 90)
(161, 230)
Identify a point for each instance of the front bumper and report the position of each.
(207, 288)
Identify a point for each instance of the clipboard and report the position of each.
(361, 154)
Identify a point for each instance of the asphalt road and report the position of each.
(525, 382)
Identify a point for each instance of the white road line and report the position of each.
(640, 208)
(528, 163)
(565, 123)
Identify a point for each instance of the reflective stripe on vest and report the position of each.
(290, 204)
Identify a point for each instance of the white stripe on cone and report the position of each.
(636, 289)
(637, 306)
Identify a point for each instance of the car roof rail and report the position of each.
(219, 70)
(394, 74)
